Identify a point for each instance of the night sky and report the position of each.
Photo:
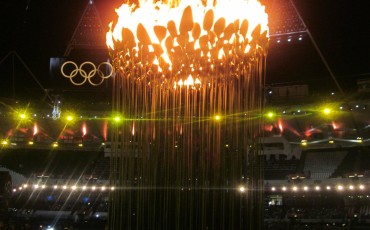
(341, 30)
(38, 30)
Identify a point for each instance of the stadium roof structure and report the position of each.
(89, 33)
(284, 19)
(286, 22)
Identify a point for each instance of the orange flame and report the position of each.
(105, 130)
(335, 125)
(281, 127)
(158, 16)
(35, 129)
(159, 35)
(84, 130)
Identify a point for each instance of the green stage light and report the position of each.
(117, 119)
(327, 111)
(270, 115)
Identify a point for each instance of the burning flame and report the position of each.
(335, 125)
(185, 42)
(35, 129)
(105, 130)
(84, 130)
(281, 127)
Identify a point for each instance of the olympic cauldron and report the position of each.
(192, 43)
(189, 85)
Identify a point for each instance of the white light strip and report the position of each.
(283, 188)
(317, 188)
(65, 187)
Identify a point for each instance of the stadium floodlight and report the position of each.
(55, 144)
(242, 189)
(4, 142)
(327, 111)
(217, 117)
(304, 142)
(21, 115)
(117, 118)
(270, 115)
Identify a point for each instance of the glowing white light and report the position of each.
(295, 188)
(242, 188)
(317, 188)
(273, 189)
(283, 188)
(305, 188)
(351, 187)
(340, 187)
(328, 188)
(362, 187)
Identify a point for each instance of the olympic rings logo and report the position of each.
(87, 71)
